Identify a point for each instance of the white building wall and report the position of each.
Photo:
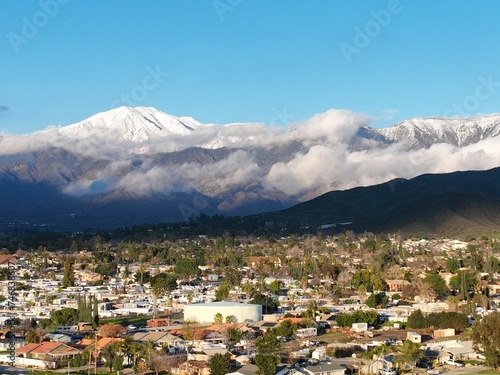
(205, 312)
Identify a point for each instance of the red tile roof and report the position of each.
(5, 259)
(45, 347)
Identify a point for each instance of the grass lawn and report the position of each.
(134, 320)
(335, 337)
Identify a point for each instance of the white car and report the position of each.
(454, 363)
(387, 371)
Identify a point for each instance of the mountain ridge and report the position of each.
(401, 204)
(129, 154)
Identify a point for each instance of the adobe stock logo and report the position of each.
(152, 79)
(470, 104)
(364, 36)
(32, 25)
(224, 6)
(281, 117)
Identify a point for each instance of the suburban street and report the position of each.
(10, 370)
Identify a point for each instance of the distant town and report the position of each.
(322, 304)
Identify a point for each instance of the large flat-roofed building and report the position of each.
(239, 312)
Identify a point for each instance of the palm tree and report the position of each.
(410, 353)
(138, 350)
(126, 348)
(109, 354)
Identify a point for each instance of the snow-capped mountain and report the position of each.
(134, 124)
(425, 132)
(181, 167)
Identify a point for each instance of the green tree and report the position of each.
(286, 328)
(410, 353)
(160, 285)
(81, 359)
(118, 363)
(275, 286)
(452, 265)
(64, 316)
(109, 354)
(377, 300)
(33, 336)
(311, 311)
(417, 319)
(362, 277)
(269, 305)
(447, 319)
(222, 292)
(437, 284)
(234, 334)
(465, 282)
(69, 274)
(218, 318)
(486, 337)
(220, 364)
(268, 353)
(186, 268)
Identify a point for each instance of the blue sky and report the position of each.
(223, 61)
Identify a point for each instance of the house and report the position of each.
(360, 327)
(440, 333)
(436, 354)
(158, 322)
(307, 332)
(205, 354)
(105, 341)
(165, 339)
(6, 260)
(191, 367)
(85, 326)
(59, 337)
(83, 343)
(323, 368)
(460, 349)
(242, 360)
(375, 366)
(55, 353)
(319, 353)
(414, 337)
(395, 285)
(6, 344)
(252, 370)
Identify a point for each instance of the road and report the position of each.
(451, 370)
(10, 370)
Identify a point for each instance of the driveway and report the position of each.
(10, 370)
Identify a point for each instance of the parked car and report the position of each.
(424, 365)
(434, 372)
(387, 371)
(454, 363)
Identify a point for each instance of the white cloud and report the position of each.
(325, 160)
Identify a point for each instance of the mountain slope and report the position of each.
(134, 124)
(128, 155)
(425, 132)
(452, 203)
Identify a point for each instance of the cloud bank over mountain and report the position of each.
(143, 151)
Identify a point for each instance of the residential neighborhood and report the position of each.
(322, 304)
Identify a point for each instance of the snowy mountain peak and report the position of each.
(424, 132)
(137, 124)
